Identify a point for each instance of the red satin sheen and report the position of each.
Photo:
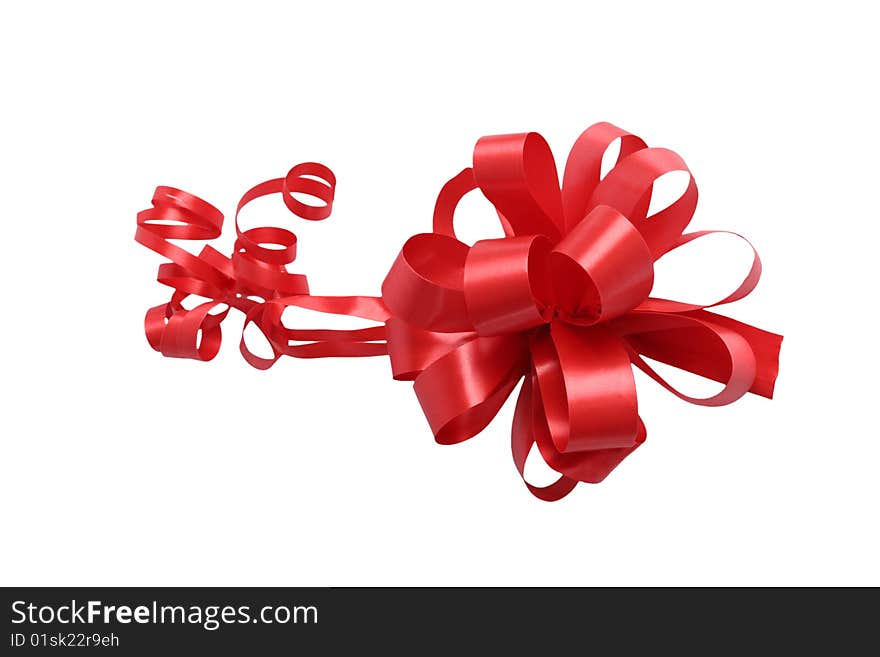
(589, 284)
(603, 268)
(506, 289)
(586, 381)
(562, 301)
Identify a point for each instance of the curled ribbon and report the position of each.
(253, 280)
(561, 301)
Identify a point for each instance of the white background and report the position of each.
(120, 467)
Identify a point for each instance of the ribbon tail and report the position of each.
(318, 343)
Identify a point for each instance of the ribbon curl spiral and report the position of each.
(561, 301)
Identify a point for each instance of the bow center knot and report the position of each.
(600, 270)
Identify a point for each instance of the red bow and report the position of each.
(562, 300)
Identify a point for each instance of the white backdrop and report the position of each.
(120, 467)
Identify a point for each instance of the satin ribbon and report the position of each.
(254, 280)
(562, 302)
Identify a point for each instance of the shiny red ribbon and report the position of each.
(562, 300)
(254, 280)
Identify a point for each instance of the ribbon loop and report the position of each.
(518, 176)
(447, 200)
(583, 168)
(425, 285)
(313, 179)
(523, 439)
(175, 332)
(586, 382)
(602, 268)
(492, 366)
(179, 215)
(530, 428)
(506, 287)
(744, 358)
(741, 291)
(628, 186)
(693, 342)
